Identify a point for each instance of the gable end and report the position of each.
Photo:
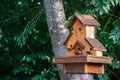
(84, 19)
(80, 44)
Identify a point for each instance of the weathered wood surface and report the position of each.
(82, 59)
(74, 68)
(78, 68)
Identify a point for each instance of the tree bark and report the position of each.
(56, 24)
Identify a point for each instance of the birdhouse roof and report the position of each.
(84, 19)
(77, 43)
(80, 44)
(95, 44)
(68, 38)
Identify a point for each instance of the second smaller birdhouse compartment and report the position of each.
(78, 51)
(75, 49)
(78, 48)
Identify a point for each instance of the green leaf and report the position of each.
(1, 34)
(21, 40)
(28, 59)
(119, 2)
(105, 9)
(116, 1)
(38, 77)
(112, 2)
(115, 35)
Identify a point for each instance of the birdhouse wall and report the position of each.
(97, 53)
(90, 31)
(74, 68)
(95, 68)
(80, 34)
(70, 42)
(78, 68)
(79, 30)
(70, 52)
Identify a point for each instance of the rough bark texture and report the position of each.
(56, 24)
(81, 77)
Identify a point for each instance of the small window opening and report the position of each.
(80, 29)
(70, 45)
(78, 48)
(78, 51)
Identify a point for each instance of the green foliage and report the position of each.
(21, 40)
(38, 77)
(25, 48)
(103, 6)
(115, 33)
(103, 77)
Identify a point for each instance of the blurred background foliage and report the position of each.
(25, 46)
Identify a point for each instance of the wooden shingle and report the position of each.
(95, 44)
(84, 19)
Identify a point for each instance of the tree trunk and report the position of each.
(56, 25)
(56, 22)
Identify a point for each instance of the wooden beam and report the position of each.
(83, 68)
(82, 59)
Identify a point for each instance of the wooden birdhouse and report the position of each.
(84, 52)
(82, 32)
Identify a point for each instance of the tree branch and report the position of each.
(114, 16)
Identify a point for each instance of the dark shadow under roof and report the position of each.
(80, 44)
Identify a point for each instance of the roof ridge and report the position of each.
(84, 19)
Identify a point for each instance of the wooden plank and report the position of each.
(72, 59)
(97, 59)
(82, 59)
(95, 68)
(83, 68)
(74, 68)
